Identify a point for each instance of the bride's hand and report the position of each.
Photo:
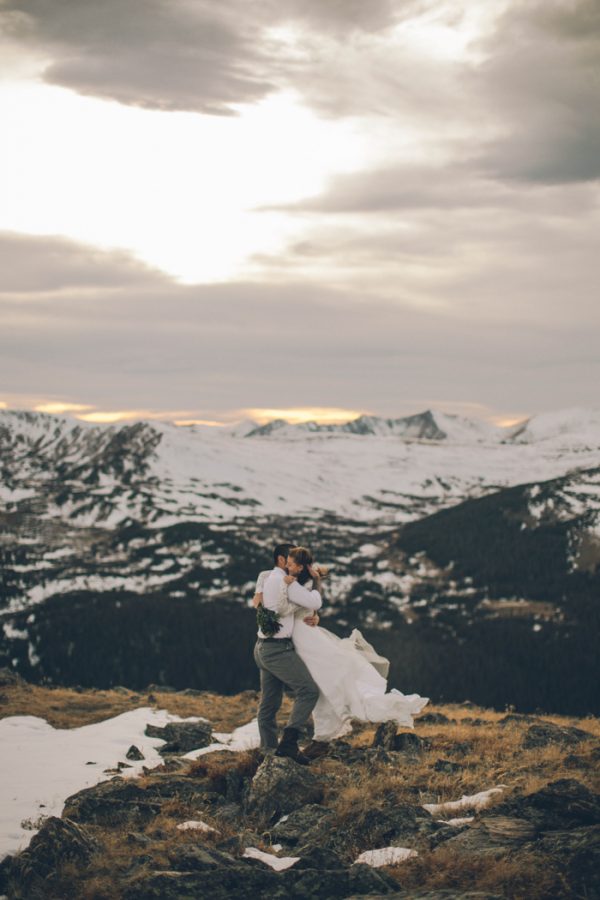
(289, 579)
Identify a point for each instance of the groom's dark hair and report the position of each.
(281, 550)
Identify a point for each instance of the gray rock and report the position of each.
(242, 881)
(394, 825)
(410, 743)
(280, 786)
(58, 841)
(229, 814)
(123, 801)
(134, 753)
(577, 761)
(559, 805)
(548, 733)
(459, 748)
(447, 766)
(195, 857)
(442, 894)
(299, 824)
(317, 857)
(385, 736)
(519, 719)
(387, 739)
(112, 802)
(436, 718)
(494, 835)
(137, 839)
(181, 737)
(579, 852)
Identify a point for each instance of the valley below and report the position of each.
(468, 556)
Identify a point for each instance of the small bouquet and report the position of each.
(267, 621)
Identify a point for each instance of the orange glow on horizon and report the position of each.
(213, 418)
(107, 418)
(211, 422)
(508, 421)
(321, 414)
(57, 408)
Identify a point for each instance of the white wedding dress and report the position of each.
(350, 675)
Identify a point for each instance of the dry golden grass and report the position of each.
(64, 707)
(68, 708)
(493, 755)
(496, 758)
(523, 876)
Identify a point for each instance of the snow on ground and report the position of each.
(196, 825)
(40, 766)
(246, 737)
(279, 863)
(460, 820)
(472, 801)
(385, 856)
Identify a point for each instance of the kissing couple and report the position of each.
(333, 679)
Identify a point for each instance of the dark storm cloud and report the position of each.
(405, 187)
(536, 89)
(152, 53)
(163, 54)
(542, 79)
(30, 263)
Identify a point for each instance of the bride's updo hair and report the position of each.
(303, 557)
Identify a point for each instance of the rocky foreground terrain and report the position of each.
(471, 804)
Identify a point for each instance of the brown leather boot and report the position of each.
(288, 746)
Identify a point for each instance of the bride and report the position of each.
(350, 675)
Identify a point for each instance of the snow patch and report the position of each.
(385, 856)
(279, 863)
(40, 766)
(196, 825)
(472, 801)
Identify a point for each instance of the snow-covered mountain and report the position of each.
(568, 428)
(426, 426)
(95, 520)
(368, 470)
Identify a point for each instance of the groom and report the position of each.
(280, 666)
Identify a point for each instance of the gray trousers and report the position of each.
(280, 666)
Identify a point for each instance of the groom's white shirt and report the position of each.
(296, 593)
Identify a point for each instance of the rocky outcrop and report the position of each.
(298, 827)
(561, 820)
(387, 738)
(123, 801)
(181, 737)
(29, 875)
(281, 786)
(548, 733)
(248, 879)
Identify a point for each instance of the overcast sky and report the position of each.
(320, 207)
